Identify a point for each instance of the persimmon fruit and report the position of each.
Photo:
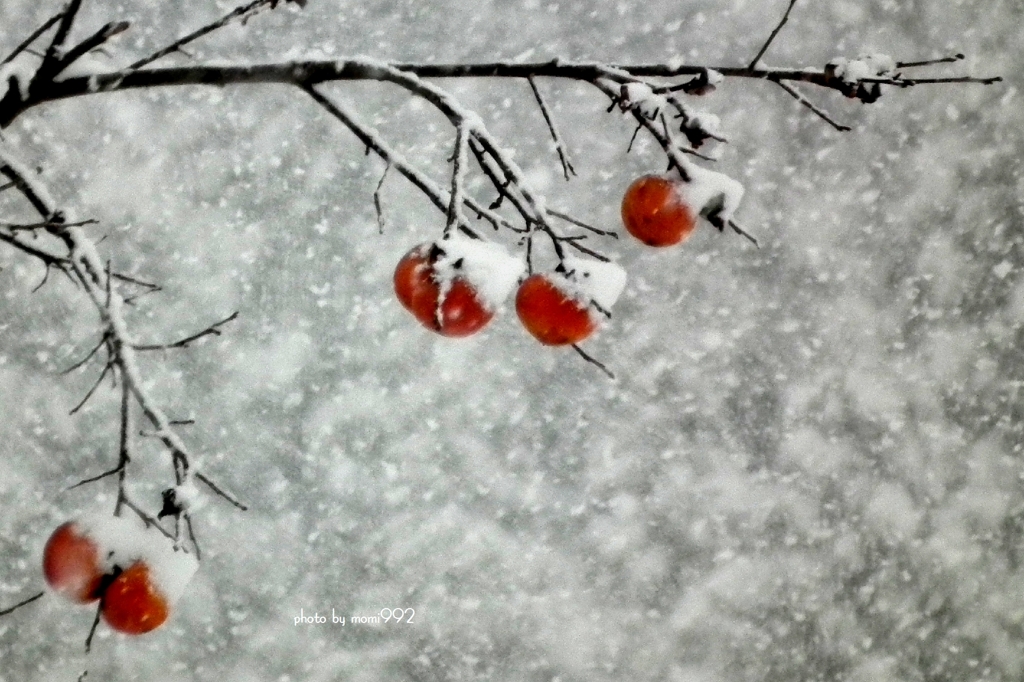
(655, 212)
(71, 564)
(133, 604)
(450, 306)
(553, 316)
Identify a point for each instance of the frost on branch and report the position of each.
(854, 72)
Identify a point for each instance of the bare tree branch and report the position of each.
(91, 43)
(563, 154)
(239, 13)
(377, 201)
(55, 52)
(23, 602)
(313, 72)
(798, 96)
(31, 38)
(213, 329)
(97, 477)
(928, 62)
(592, 360)
(764, 48)
(369, 137)
(220, 491)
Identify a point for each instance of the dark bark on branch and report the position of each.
(307, 73)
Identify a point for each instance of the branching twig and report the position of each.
(55, 52)
(798, 96)
(928, 62)
(237, 13)
(459, 162)
(592, 360)
(23, 602)
(377, 206)
(99, 381)
(217, 489)
(92, 631)
(91, 43)
(569, 219)
(764, 48)
(738, 229)
(313, 72)
(563, 155)
(31, 39)
(213, 329)
(97, 477)
(369, 137)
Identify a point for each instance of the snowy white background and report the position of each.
(809, 469)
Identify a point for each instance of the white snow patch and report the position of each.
(710, 192)
(124, 541)
(487, 266)
(865, 66)
(597, 281)
(708, 122)
(640, 97)
(89, 64)
(23, 68)
(187, 496)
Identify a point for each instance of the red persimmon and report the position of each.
(133, 604)
(448, 305)
(655, 212)
(553, 316)
(71, 564)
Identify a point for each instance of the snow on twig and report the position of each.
(95, 278)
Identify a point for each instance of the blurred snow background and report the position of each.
(810, 465)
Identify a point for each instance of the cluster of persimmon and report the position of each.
(135, 573)
(455, 285)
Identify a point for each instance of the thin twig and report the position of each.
(907, 82)
(377, 206)
(928, 62)
(24, 602)
(146, 518)
(124, 445)
(738, 229)
(192, 537)
(54, 53)
(236, 13)
(592, 360)
(573, 242)
(91, 43)
(369, 137)
(45, 225)
(798, 96)
(93, 479)
(217, 489)
(459, 163)
(563, 155)
(92, 390)
(81, 363)
(92, 630)
(28, 41)
(569, 219)
(764, 48)
(213, 329)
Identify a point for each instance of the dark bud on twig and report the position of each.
(699, 85)
(171, 505)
